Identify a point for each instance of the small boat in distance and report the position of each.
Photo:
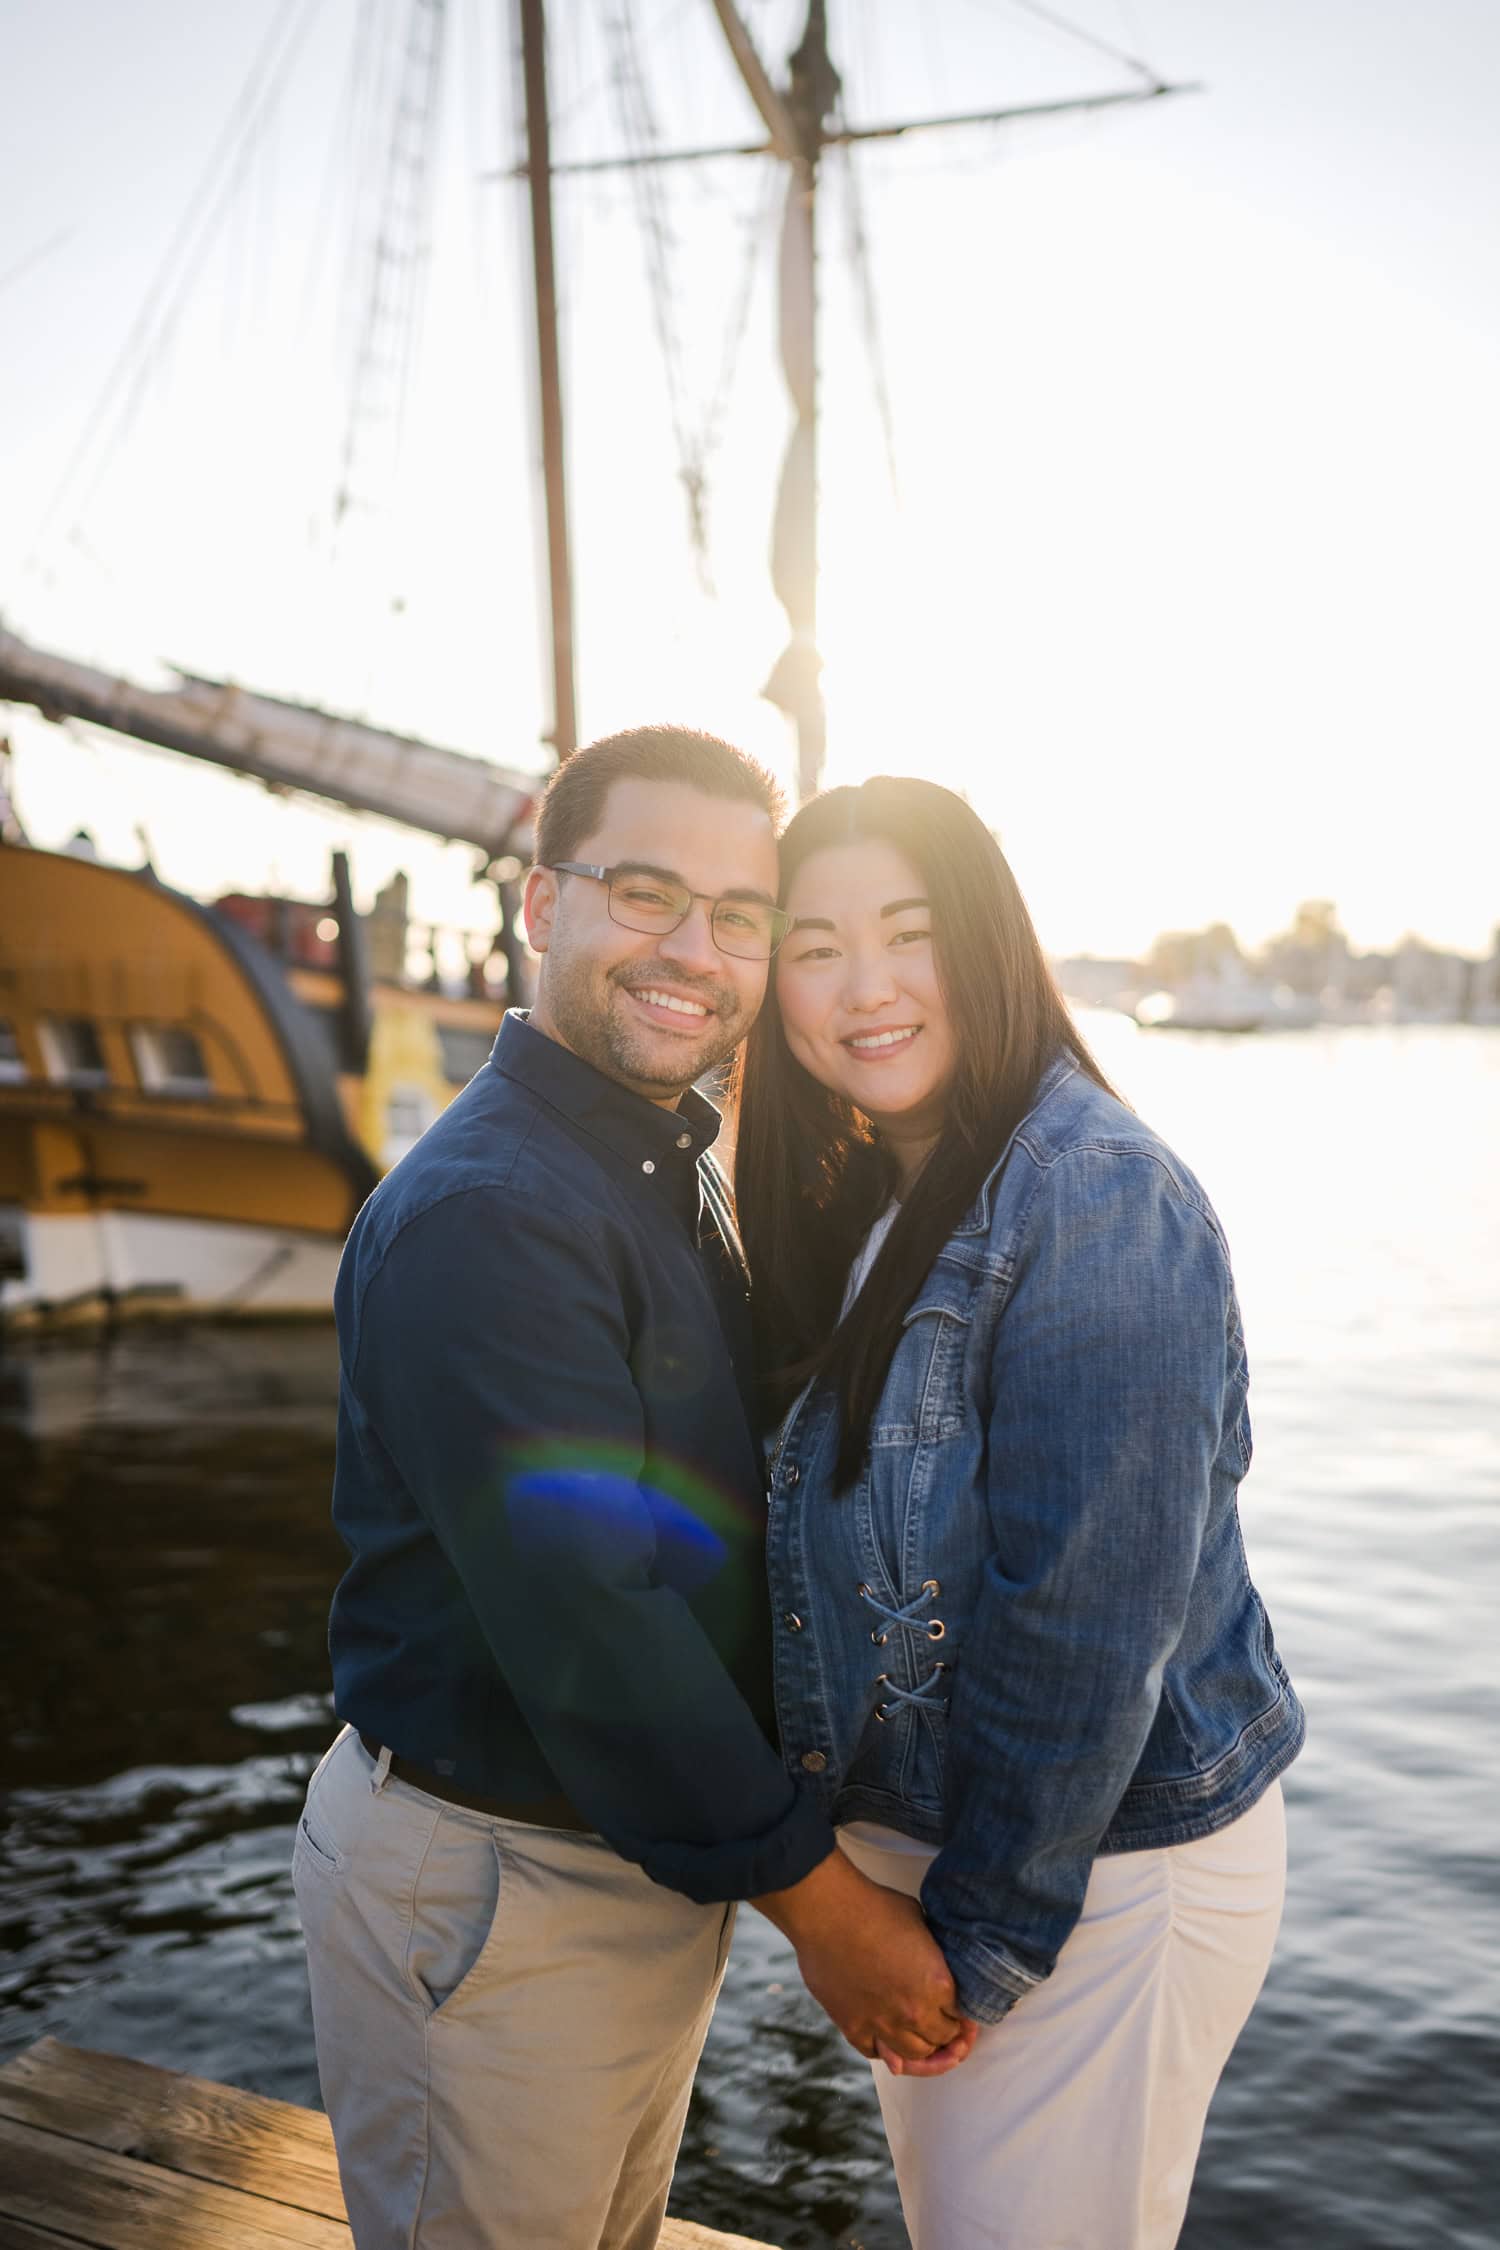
(1226, 1003)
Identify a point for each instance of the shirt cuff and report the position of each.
(990, 1981)
(747, 1866)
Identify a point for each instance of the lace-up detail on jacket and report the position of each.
(909, 1618)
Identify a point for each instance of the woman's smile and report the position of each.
(874, 1044)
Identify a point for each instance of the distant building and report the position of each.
(1484, 1006)
(1101, 983)
(1306, 974)
(1428, 986)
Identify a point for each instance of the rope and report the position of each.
(223, 178)
(864, 282)
(696, 446)
(1071, 30)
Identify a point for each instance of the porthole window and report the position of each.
(72, 1051)
(169, 1059)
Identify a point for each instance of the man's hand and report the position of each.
(868, 1958)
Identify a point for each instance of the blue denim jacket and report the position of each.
(1029, 1635)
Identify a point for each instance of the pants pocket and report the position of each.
(455, 1928)
(312, 1854)
(315, 1849)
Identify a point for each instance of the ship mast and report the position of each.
(797, 121)
(564, 734)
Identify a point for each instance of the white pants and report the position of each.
(1075, 2123)
(507, 2018)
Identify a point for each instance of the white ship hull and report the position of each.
(61, 1266)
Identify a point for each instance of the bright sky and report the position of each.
(1192, 579)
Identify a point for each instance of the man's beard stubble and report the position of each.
(594, 1029)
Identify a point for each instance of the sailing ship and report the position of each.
(194, 1098)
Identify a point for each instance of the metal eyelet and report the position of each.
(863, 1591)
(931, 1586)
(880, 1639)
(883, 1713)
(936, 1629)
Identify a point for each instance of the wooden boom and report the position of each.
(289, 745)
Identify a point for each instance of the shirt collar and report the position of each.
(662, 1144)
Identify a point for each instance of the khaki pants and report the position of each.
(508, 2019)
(1076, 2121)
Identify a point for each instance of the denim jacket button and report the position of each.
(813, 1761)
(791, 1621)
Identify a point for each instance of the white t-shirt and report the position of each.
(859, 1274)
(867, 1253)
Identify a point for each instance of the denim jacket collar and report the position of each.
(977, 1218)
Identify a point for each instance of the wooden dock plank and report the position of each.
(104, 2151)
(685, 2234)
(189, 2125)
(120, 2202)
(15, 2234)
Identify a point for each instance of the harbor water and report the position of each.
(168, 1561)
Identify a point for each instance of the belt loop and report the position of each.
(382, 1773)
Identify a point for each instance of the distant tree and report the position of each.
(1316, 922)
(1313, 954)
(1180, 955)
(1220, 945)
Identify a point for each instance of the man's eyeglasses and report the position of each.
(748, 929)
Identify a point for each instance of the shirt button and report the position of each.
(791, 1621)
(793, 1476)
(813, 1761)
(648, 1166)
(684, 1140)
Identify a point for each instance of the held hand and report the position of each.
(887, 1987)
(940, 2060)
(869, 1959)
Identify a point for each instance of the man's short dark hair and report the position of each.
(572, 807)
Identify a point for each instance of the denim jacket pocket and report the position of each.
(923, 1399)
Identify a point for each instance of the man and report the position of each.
(551, 1648)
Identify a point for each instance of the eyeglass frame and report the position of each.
(781, 920)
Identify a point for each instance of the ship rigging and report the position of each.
(193, 1099)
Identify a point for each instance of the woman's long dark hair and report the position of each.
(810, 1174)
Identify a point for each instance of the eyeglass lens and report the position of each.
(741, 927)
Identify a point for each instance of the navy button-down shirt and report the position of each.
(547, 1481)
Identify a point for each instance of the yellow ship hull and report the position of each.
(179, 1131)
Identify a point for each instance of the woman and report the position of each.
(1018, 1647)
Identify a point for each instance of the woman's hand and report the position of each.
(957, 2050)
(868, 1959)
